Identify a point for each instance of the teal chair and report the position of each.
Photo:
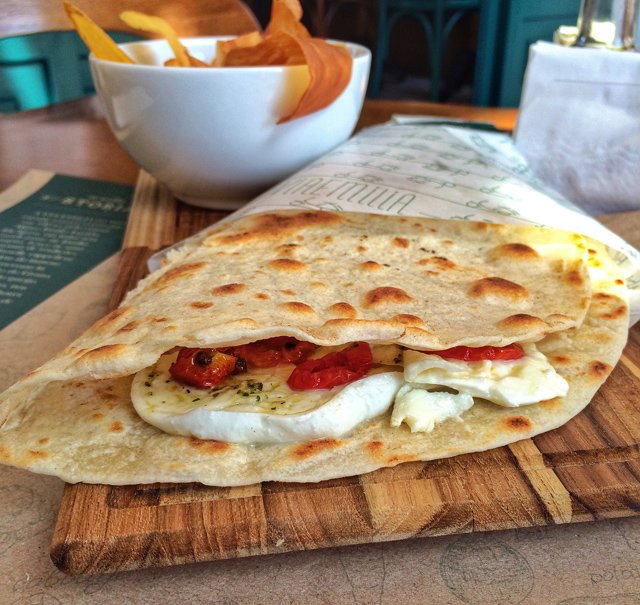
(42, 62)
(46, 68)
(506, 30)
(524, 22)
(438, 17)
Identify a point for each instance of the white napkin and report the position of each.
(579, 124)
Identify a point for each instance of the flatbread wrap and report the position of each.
(406, 292)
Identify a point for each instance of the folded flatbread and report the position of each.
(331, 279)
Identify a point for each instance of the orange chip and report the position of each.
(157, 25)
(285, 17)
(98, 41)
(193, 62)
(294, 7)
(330, 70)
(287, 42)
(275, 49)
(225, 46)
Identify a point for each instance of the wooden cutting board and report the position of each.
(586, 470)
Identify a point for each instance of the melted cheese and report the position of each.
(422, 409)
(529, 379)
(258, 406)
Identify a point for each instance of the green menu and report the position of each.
(54, 236)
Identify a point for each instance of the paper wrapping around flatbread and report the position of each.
(329, 278)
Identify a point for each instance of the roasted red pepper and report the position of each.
(272, 352)
(333, 369)
(203, 368)
(510, 352)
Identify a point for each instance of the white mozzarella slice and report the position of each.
(422, 409)
(529, 379)
(388, 355)
(259, 407)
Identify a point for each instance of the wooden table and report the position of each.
(73, 138)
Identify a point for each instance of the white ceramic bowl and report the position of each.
(211, 135)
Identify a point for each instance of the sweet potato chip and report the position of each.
(223, 47)
(294, 7)
(285, 17)
(157, 25)
(275, 49)
(330, 70)
(193, 62)
(286, 42)
(98, 41)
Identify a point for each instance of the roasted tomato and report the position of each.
(272, 352)
(333, 369)
(510, 352)
(203, 368)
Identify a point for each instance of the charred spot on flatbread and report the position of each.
(110, 319)
(440, 263)
(227, 289)
(598, 370)
(617, 313)
(201, 305)
(375, 448)
(287, 265)
(409, 320)
(343, 309)
(179, 272)
(398, 458)
(498, 290)
(513, 252)
(5, 454)
(522, 321)
(298, 307)
(132, 325)
(609, 306)
(517, 423)
(385, 295)
(276, 226)
(312, 448)
(575, 278)
(287, 250)
(207, 446)
(370, 265)
(37, 454)
(116, 427)
(104, 352)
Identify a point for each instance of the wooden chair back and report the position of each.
(188, 17)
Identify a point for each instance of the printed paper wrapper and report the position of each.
(438, 169)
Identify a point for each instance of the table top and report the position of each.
(593, 563)
(73, 137)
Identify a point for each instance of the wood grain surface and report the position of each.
(588, 469)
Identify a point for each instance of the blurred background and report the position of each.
(456, 51)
